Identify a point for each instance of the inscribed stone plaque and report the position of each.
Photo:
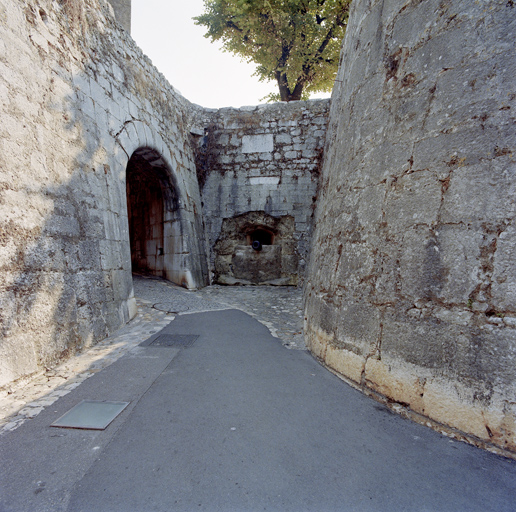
(257, 143)
(264, 180)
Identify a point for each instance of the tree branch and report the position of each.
(232, 24)
(329, 36)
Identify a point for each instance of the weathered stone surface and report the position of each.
(122, 11)
(247, 163)
(257, 143)
(254, 266)
(412, 282)
(77, 99)
(412, 265)
(276, 260)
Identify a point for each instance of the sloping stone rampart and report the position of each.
(77, 99)
(412, 281)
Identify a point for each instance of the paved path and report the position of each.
(278, 308)
(235, 422)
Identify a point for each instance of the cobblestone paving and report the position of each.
(278, 308)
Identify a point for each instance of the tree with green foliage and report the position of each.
(295, 42)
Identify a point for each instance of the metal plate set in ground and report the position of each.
(91, 415)
(174, 340)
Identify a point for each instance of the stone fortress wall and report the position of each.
(257, 165)
(122, 10)
(410, 285)
(411, 291)
(78, 99)
(98, 178)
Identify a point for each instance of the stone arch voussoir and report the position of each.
(183, 264)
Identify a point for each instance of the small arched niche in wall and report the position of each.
(256, 248)
(260, 236)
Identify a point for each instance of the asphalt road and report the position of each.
(237, 422)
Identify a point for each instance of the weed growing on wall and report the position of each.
(206, 153)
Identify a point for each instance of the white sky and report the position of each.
(205, 75)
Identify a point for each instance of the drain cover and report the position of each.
(174, 340)
(91, 415)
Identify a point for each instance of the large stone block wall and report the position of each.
(411, 293)
(122, 10)
(77, 100)
(263, 159)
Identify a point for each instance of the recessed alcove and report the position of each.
(256, 248)
(145, 213)
(262, 235)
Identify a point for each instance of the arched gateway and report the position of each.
(159, 243)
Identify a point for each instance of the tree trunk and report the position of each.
(285, 93)
(298, 90)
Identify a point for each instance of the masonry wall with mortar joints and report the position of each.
(411, 287)
(77, 99)
(262, 159)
